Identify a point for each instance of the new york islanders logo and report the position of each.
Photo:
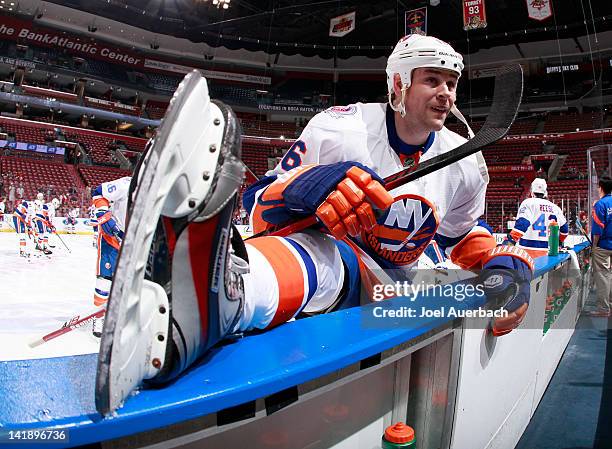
(404, 231)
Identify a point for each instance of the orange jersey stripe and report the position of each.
(536, 252)
(469, 252)
(516, 235)
(597, 220)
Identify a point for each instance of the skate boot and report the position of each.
(46, 251)
(177, 288)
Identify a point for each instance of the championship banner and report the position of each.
(342, 25)
(474, 15)
(539, 9)
(416, 21)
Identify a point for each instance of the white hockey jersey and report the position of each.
(447, 202)
(74, 213)
(50, 209)
(532, 222)
(38, 208)
(116, 192)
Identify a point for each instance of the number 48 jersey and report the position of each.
(531, 228)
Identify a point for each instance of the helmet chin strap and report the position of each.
(402, 110)
(461, 118)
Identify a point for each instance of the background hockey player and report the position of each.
(535, 215)
(602, 247)
(22, 223)
(40, 222)
(49, 210)
(109, 202)
(71, 220)
(333, 170)
(94, 224)
(2, 209)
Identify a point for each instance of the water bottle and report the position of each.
(398, 436)
(553, 239)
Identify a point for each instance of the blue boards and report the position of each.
(58, 393)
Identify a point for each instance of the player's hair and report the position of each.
(605, 182)
(539, 195)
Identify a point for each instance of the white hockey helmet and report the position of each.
(416, 51)
(539, 186)
(55, 202)
(40, 196)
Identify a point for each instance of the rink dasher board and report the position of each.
(58, 393)
(82, 226)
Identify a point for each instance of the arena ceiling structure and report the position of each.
(302, 27)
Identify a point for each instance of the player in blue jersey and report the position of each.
(602, 247)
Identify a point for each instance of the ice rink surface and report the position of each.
(39, 294)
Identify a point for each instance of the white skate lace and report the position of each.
(237, 264)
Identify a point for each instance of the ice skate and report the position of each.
(157, 327)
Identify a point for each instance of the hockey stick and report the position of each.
(62, 240)
(506, 101)
(68, 326)
(583, 232)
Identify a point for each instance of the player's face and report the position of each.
(430, 97)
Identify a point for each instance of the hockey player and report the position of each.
(535, 215)
(40, 221)
(71, 220)
(22, 223)
(219, 286)
(49, 210)
(109, 209)
(2, 209)
(94, 223)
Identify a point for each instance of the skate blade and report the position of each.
(192, 125)
(142, 341)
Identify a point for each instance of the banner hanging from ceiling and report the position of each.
(416, 21)
(474, 14)
(539, 9)
(342, 25)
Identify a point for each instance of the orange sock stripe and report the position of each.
(98, 300)
(289, 276)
